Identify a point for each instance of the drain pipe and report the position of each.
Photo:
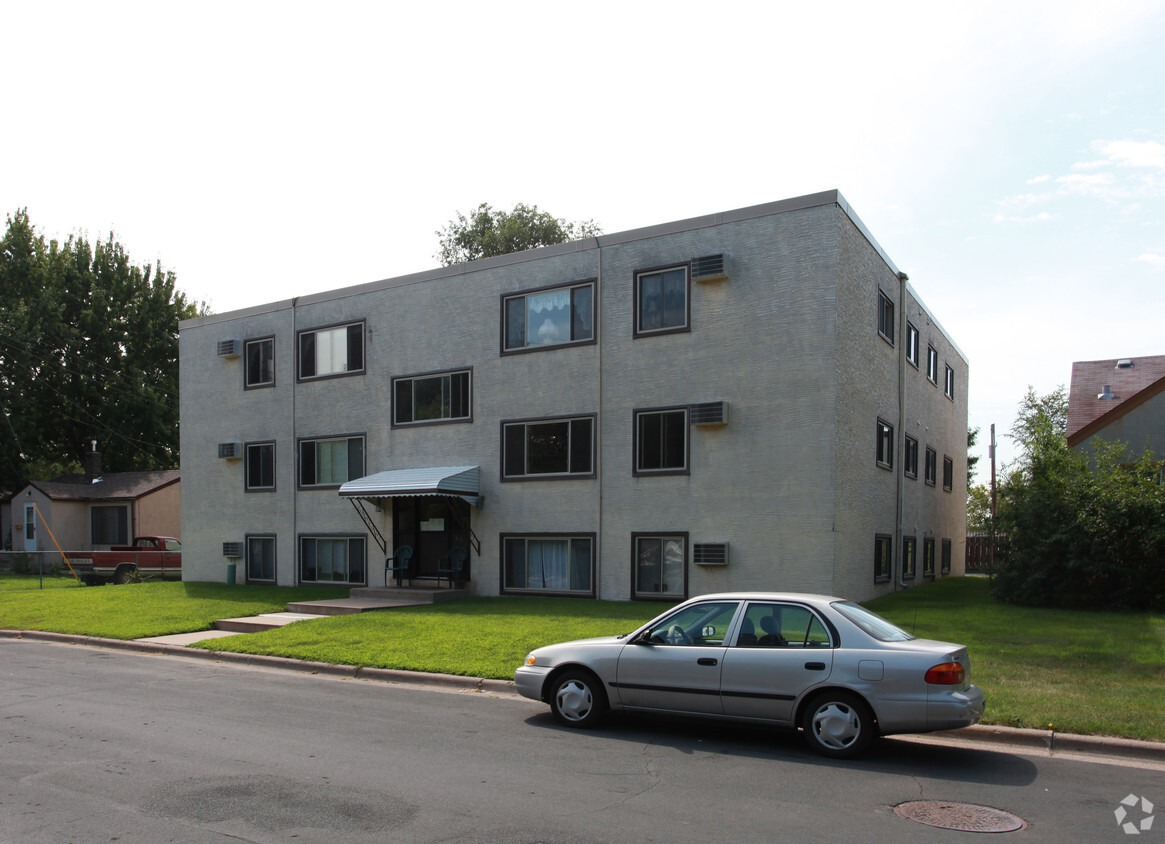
(595, 328)
(900, 475)
(295, 447)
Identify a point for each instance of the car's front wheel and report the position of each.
(577, 699)
(838, 724)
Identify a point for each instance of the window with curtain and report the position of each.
(551, 317)
(661, 301)
(535, 563)
(660, 566)
(338, 350)
(331, 559)
(330, 462)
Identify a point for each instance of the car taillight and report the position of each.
(946, 674)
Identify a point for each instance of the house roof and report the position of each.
(119, 485)
(1124, 384)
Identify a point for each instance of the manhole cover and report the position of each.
(961, 816)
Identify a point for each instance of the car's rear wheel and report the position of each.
(577, 699)
(838, 724)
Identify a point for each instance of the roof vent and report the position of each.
(1107, 394)
(1126, 363)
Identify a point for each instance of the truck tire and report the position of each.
(125, 574)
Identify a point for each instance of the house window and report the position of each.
(547, 448)
(932, 365)
(948, 473)
(946, 562)
(260, 559)
(931, 466)
(912, 345)
(661, 301)
(660, 565)
(928, 557)
(886, 317)
(885, 447)
(661, 441)
(260, 368)
(551, 317)
(559, 564)
(949, 384)
(883, 557)
(431, 398)
(260, 470)
(330, 462)
(331, 559)
(910, 457)
(909, 560)
(338, 350)
(109, 525)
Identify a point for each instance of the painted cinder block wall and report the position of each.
(789, 340)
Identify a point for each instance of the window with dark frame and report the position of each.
(260, 559)
(949, 383)
(537, 563)
(336, 350)
(883, 557)
(948, 473)
(912, 345)
(909, 560)
(661, 441)
(885, 447)
(660, 567)
(260, 363)
(661, 301)
(260, 468)
(886, 317)
(109, 524)
(946, 561)
(931, 467)
(548, 317)
(330, 461)
(440, 397)
(548, 448)
(332, 559)
(928, 557)
(910, 457)
(931, 365)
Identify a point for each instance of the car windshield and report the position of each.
(872, 623)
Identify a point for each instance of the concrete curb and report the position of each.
(1047, 740)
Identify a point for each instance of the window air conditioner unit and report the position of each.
(708, 268)
(230, 451)
(233, 550)
(709, 413)
(230, 348)
(710, 553)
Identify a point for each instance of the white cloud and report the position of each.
(1042, 217)
(1155, 258)
(1135, 154)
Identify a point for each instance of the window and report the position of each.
(948, 473)
(261, 559)
(660, 565)
(548, 448)
(260, 357)
(782, 626)
(949, 384)
(661, 441)
(932, 364)
(331, 559)
(886, 317)
(431, 398)
(910, 457)
(551, 317)
(699, 624)
(883, 556)
(885, 447)
(928, 557)
(909, 559)
(912, 345)
(109, 525)
(331, 351)
(661, 301)
(260, 469)
(931, 466)
(946, 564)
(330, 462)
(537, 563)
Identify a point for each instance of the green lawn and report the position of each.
(1097, 673)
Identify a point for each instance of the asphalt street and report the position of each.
(103, 745)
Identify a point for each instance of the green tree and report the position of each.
(1080, 535)
(487, 232)
(88, 350)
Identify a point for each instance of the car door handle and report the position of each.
(707, 660)
(815, 666)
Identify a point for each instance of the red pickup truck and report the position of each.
(149, 556)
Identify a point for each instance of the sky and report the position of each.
(1008, 156)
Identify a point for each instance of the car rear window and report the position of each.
(872, 623)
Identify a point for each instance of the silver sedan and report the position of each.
(826, 665)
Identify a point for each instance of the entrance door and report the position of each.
(29, 527)
(431, 525)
